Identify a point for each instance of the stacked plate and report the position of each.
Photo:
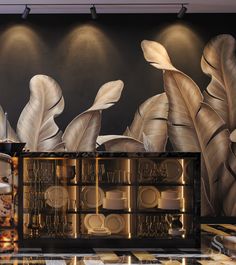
(170, 200)
(115, 200)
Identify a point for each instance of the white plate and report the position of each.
(88, 196)
(173, 169)
(115, 223)
(92, 221)
(56, 196)
(148, 196)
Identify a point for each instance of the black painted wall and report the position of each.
(82, 55)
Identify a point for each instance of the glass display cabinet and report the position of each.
(109, 199)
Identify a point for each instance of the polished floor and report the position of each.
(212, 252)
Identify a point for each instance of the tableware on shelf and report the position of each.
(92, 221)
(176, 226)
(72, 205)
(88, 196)
(145, 168)
(170, 200)
(115, 200)
(115, 223)
(101, 172)
(56, 196)
(173, 169)
(148, 196)
(152, 226)
(110, 176)
(65, 172)
(99, 231)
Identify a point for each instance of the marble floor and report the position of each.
(212, 252)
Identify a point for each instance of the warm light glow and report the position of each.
(21, 45)
(183, 44)
(88, 44)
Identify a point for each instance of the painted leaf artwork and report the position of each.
(191, 118)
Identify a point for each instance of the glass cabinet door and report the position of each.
(49, 194)
(107, 189)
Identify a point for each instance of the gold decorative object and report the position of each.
(82, 131)
(150, 123)
(36, 126)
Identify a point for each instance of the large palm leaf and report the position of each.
(193, 125)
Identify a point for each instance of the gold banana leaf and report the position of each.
(150, 123)
(82, 132)
(219, 62)
(228, 183)
(120, 143)
(36, 126)
(11, 135)
(193, 125)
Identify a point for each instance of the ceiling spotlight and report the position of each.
(26, 12)
(93, 12)
(182, 11)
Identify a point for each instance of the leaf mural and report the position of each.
(150, 123)
(228, 183)
(219, 62)
(120, 143)
(36, 126)
(83, 130)
(11, 135)
(193, 125)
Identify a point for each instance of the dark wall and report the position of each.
(82, 55)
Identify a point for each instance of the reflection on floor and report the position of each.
(218, 248)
